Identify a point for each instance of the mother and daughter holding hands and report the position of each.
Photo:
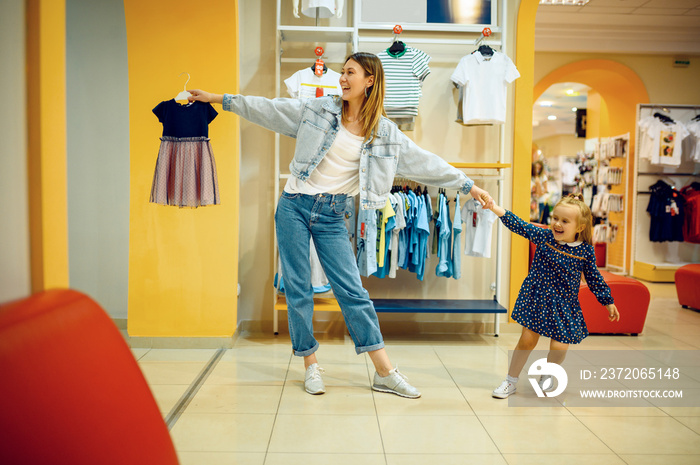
(345, 146)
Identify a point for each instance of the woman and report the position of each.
(539, 193)
(345, 145)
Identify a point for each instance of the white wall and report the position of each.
(14, 207)
(97, 107)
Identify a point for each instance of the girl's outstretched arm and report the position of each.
(518, 226)
(497, 209)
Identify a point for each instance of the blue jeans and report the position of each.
(321, 217)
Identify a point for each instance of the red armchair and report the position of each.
(71, 391)
(631, 299)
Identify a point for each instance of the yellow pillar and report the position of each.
(522, 142)
(183, 263)
(46, 146)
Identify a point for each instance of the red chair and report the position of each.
(687, 280)
(631, 299)
(71, 391)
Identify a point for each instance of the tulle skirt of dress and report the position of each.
(185, 173)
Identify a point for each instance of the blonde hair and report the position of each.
(373, 107)
(585, 217)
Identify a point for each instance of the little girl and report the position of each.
(548, 304)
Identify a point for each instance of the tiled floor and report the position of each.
(252, 409)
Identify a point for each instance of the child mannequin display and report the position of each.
(548, 303)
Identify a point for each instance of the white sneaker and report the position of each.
(313, 383)
(546, 383)
(504, 390)
(395, 383)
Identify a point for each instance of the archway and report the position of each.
(612, 112)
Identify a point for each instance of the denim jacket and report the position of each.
(385, 155)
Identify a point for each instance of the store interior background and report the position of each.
(641, 36)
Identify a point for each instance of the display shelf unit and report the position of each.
(367, 33)
(313, 33)
(658, 261)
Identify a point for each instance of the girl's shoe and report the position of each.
(504, 390)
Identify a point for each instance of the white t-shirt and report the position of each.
(662, 143)
(477, 229)
(337, 173)
(484, 82)
(568, 172)
(694, 130)
(303, 83)
(325, 8)
(647, 127)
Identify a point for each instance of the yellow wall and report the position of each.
(183, 263)
(46, 145)
(522, 139)
(561, 144)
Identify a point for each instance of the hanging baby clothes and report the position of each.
(400, 211)
(366, 240)
(477, 229)
(429, 214)
(661, 143)
(306, 84)
(456, 241)
(444, 225)
(484, 80)
(666, 211)
(419, 239)
(691, 224)
(694, 130)
(406, 239)
(404, 74)
(350, 218)
(322, 8)
(185, 174)
(386, 222)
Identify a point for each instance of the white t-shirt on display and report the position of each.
(661, 143)
(477, 229)
(694, 130)
(484, 81)
(303, 84)
(324, 8)
(568, 172)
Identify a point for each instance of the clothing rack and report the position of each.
(351, 36)
(657, 261)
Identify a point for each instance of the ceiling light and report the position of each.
(574, 108)
(546, 103)
(564, 2)
(551, 117)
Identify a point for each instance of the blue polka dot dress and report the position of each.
(548, 299)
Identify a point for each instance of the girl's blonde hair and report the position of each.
(585, 217)
(373, 106)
